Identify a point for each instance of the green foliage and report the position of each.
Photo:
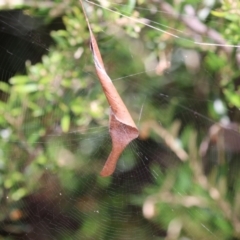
(47, 98)
(52, 119)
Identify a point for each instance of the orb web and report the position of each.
(176, 181)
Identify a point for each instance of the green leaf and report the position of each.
(21, 192)
(28, 88)
(77, 108)
(4, 87)
(22, 79)
(232, 97)
(218, 14)
(65, 123)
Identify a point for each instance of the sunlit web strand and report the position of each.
(134, 19)
(97, 135)
(161, 30)
(135, 74)
(217, 44)
(148, 10)
(22, 35)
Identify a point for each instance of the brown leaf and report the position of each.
(121, 125)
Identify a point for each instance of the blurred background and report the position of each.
(176, 66)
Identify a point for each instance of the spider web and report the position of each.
(169, 183)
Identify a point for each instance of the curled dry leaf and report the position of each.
(121, 125)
